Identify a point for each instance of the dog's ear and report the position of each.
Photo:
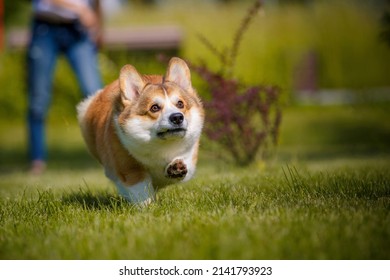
(179, 73)
(130, 82)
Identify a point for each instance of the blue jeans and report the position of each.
(48, 41)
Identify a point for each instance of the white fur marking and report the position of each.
(83, 106)
(141, 193)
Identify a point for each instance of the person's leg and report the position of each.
(82, 56)
(41, 58)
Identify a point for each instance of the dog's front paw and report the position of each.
(176, 170)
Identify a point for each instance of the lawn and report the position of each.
(324, 193)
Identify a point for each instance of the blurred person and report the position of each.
(69, 27)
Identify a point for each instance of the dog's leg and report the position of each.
(141, 194)
(183, 168)
(177, 169)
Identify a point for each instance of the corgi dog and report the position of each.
(144, 130)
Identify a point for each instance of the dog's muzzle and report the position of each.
(176, 129)
(174, 132)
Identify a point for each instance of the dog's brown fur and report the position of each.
(111, 111)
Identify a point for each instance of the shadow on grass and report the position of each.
(14, 160)
(349, 138)
(373, 134)
(95, 201)
(332, 133)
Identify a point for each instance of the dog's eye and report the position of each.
(180, 104)
(155, 108)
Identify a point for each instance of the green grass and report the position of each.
(323, 194)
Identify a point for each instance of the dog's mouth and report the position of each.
(174, 132)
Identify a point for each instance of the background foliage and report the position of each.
(343, 35)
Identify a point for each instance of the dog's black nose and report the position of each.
(176, 118)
